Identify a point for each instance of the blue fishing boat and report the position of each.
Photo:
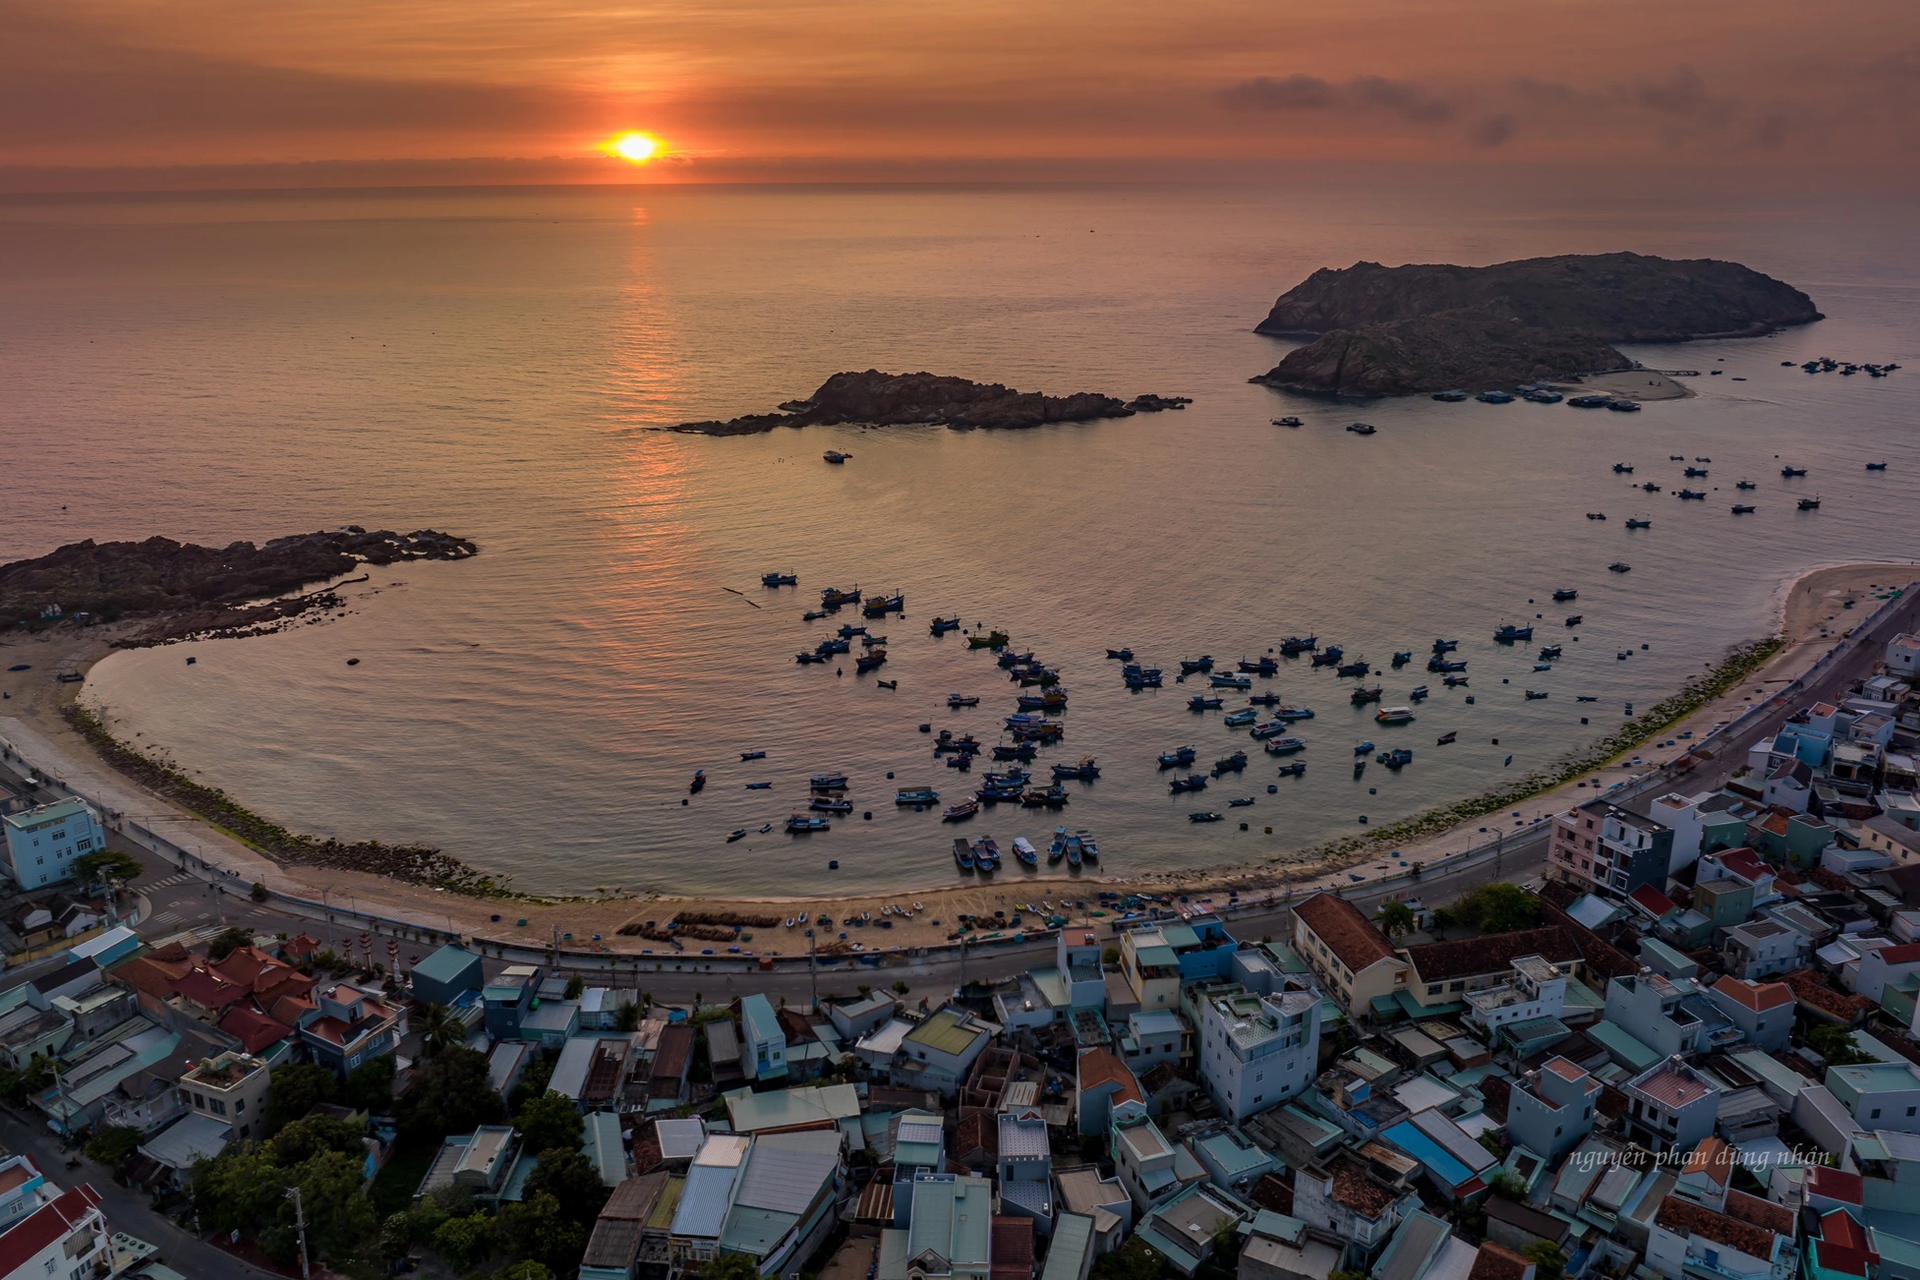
(1192, 782)
(1695, 494)
(1507, 633)
(834, 597)
(1268, 729)
(1076, 851)
(881, 606)
(1454, 682)
(1237, 718)
(1175, 759)
(1790, 472)
(1540, 395)
(1329, 656)
(1622, 469)
(986, 854)
(1876, 466)
(1418, 692)
(1263, 667)
(1396, 759)
(1240, 803)
(940, 626)
(1450, 397)
(1745, 484)
(827, 782)
(1232, 764)
(1265, 699)
(1298, 644)
(1009, 778)
(1088, 849)
(833, 646)
(1743, 508)
(1624, 406)
(994, 794)
(1086, 771)
(1589, 402)
(1293, 713)
(963, 853)
(699, 781)
(1566, 593)
(1494, 397)
(1189, 666)
(1401, 658)
(806, 659)
(1445, 646)
(1202, 702)
(916, 795)
(1355, 668)
(1203, 817)
(1058, 848)
(1124, 655)
(1362, 748)
(870, 659)
(1016, 751)
(738, 833)
(779, 580)
(1012, 659)
(1298, 769)
(957, 812)
(759, 786)
(1023, 849)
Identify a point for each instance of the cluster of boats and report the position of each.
(984, 854)
(1845, 367)
(1540, 393)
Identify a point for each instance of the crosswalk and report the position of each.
(178, 877)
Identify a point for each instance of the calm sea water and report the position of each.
(499, 363)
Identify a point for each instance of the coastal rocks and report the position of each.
(193, 589)
(888, 399)
(1391, 330)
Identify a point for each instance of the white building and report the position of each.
(64, 1238)
(1671, 1106)
(1903, 655)
(1550, 1111)
(1258, 1051)
(42, 842)
(1537, 989)
(1681, 815)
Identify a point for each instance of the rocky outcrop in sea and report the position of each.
(905, 399)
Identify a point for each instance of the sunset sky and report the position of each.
(798, 87)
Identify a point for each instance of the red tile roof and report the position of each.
(208, 989)
(1764, 1214)
(1757, 996)
(1685, 1218)
(1810, 989)
(243, 964)
(254, 1030)
(1012, 1248)
(45, 1226)
(1839, 1227)
(1654, 902)
(1354, 1189)
(673, 1052)
(148, 977)
(1491, 953)
(299, 947)
(1834, 1184)
(1099, 1066)
(1906, 953)
(1672, 1088)
(1496, 1262)
(1745, 864)
(1348, 934)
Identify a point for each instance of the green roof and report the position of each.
(754, 1232)
(943, 1033)
(448, 964)
(1623, 1047)
(954, 1219)
(1072, 1238)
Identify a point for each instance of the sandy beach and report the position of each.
(1812, 611)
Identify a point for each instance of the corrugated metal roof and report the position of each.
(754, 1231)
(785, 1178)
(603, 1147)
(570, 1072)
(704, 1201)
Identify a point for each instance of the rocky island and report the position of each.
(184, 589)
(1431, 327)
(904, 399)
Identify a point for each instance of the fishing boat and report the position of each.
(1494, 397)
(1230, 764)
(1202, 702)
(991, 794)
(963, 853)
(1137, 677)
(1361, 748)
(1268, 729)
(1207, 816)
(1057, 848)
(1012, 659)
(1591, 402)
(1121, 655)
(1046, 731)
(753, 755)
(886, 684)
(1809, 504)
(1288, 421)
(826, 803)
(1650, 487)
(1009, 778)
(1086, 771)
(834, 597)
(1052, 797)
(1240, 803)
(991, 640)
(916, 795)
(986, 854)
(962, 700)
(1534, 695)
(1876, 466)
(1450, 397)
(1237, 718)
(956, 812)
(1743, 508)
(1398, 758)
(1540, 395)
(1440, 666)
(1192, 782)
(1549, 652)
(1023, 849)
(827, 782)
(1418, 692)
(1359, 766)
(809, 659)
(1365, 695)
(940, 626)
(738, 833)
(1088, 849)
(1394, 715)
(813, 615)
(870, 659)
(779, 580)
(1265, 699)
(1566, 593)
(1694, 494)
(1176, 758)
(1401, 658)
(1543, 666)
(881, 606)
(699, 781)
(1262, 667)
(1356, 668)
(1745, 484)
(1298, 769)
(1622, 469)
(1293, 713)
(1016, 751)
(1219, 680)
(1447, 737)
(808, 822)
(835, 456)
(1298, 644)
(1189, 666)
(1507, 633)
(1361, 428)
(1696, 473)
(1624, 406)
(1445, 646)
(833, 645)
(1328, 657)
(1075, 850)
(1454, 682)
(1286, 746)
(1051, 700)
(1787, 473)
(1596, 515)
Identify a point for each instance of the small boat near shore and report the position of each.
(1622, 469)
(1445, 646)
(1809, 504)
(1266, 666)
(1086, 771)
(835, 456)
(1023, 849)
(1230, 764)
(827, 782)
(779, 580)
(699, 782)
(1745, 484)
(1222, 680)
(963, 853)
(1288, 421)
(1365, 695)
(1454, 682)
(834, 597)
(1240, 803)
(1566, 593)
(1235, 719)
(1202, 702)
(1299, 644)
(1192, 666)
(1447, 737)
(1297, 769)
(1789, 472)
(1362, 428)
(825, 803)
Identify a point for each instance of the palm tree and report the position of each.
(441, 1030)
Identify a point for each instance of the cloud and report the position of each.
(1494, 131)
(1294, 93)
(1684, 95)
(1397, 97)
(1361, 95)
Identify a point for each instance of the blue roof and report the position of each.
(1438, 1160)
(757, 1012)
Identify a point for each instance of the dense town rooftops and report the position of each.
(1671, 1085)
(1685, 1218)
(1100, 1067)
(1491, 953)
(1757, 996)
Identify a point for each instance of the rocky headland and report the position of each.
(918, 399)
(1431, 327)
(181, 589)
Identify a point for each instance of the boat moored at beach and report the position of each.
(835, 456)
(957, 812)
(1023, 849)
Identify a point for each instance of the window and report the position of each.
(199, 1101)
(1433, 988)
(219, 1107)
(240, 1107)
(1876, 1113)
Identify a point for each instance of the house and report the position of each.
(506, 1064)
(1670, 1016)
(1347, 953)
(1763, 1011)
(1535, 989)
(1723, 901)
(1070, 1256)
(42, 842)
(1550, 1111)
(614, 1247)
(1444, 972)
(1454, 1162)
(1608, 850)
(508, 998)
(65, 1237)
(1232, 1162)
(1762, 948)
(39, 923)
(1153, 1038)
(763, 1047)
(1185, 1229)
(1753, 1240)
(551, 1023)
(447, 975)
(801, 1108)
(1102, 1201)
(855, 1018)
(1347, 1200)
(1424, 1248)
(1148, 1165)
(354, 1027)
(1789, 786)
(1150, 968)
(1012, 1248)
(1744, 866)
(672, 1058)
(1106, 1093)
(1278, 1248)
(1885, 965)
(231, 1088)
(1258, 1051)
(1671, 1106)
(949, 1235)
(1682, 816)
(1878, 1095)
(479, 1161)
(938, 1052)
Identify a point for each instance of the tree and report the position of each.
(533, 1081)
(259, 892)
(730, 1266)
(1508, 1186)
(396, 1236)
(123, 867)
(308, 1137)
(549, 1121)
(1134, 1260)
(1443, 920)
(339, 1215)
(575, 985)
(1110, 958)
(113, 1144)
(526, 1269)
(537, 1230)
(1837, 1046)
(451, 1094)
(571, 1179)
(464, 1242)
(295, 1090)
(627, 1017)
(370, 1086)
(227, 941)
(36, 1077)
(1498, 908)
(1396, 920)
(441, 1029)
(1546, 1258)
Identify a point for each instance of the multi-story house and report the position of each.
(763, 1047)
(1347, 953)
(1346, 1201)
(939, 1051)
(42, 842)
(232, 1089)
(1537, 989)
(1763, 1011)
(1668, 1015)
(65, 1239)
(1550, 1111)
(1609, 850)
(1153, 1038)
(1443, 973)
(1671, 1106)
(1878, 1095)
(1258, 1051)
(1762, 948)
(1752, 1240)
(1107, 1094)
(353, 1027)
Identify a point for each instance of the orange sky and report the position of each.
(737, 89)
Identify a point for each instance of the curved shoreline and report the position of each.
(1802, 637)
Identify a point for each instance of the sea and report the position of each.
(502, 364)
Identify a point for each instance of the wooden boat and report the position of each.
(1122, 655)
(1205, 816)
(738, 833)
(1507, 633)
(1743, 508)
(916, 796)
(1230, 764)
(834, 597)
(1086, 771)
(826, 803)
(881, 606)
(1222, 681)
(1447, 737)
(1454, 682)
(957, 812)
(827, 782)
(1809, 504)
(1364, 695)
(963, 853)
(886, 684)
(940, 626)
(962, 700)
(779, 580)
(1298, 769)
(1534, 696)
(991, 640)
(1566, 593)
(1201, 702)
(870, 659)
(1237, 718)
(1023, 849)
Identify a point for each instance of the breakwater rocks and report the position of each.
(415, 864)
(1430, 327)
(904, 399)
(189, 589)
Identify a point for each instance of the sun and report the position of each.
(637, 147)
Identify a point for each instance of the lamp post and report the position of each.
(300, 1222)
